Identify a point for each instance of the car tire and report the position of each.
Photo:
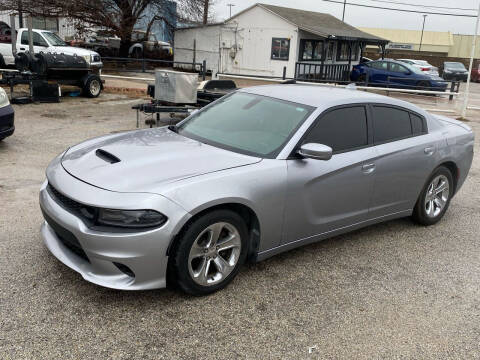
(423, 85)
(433, 202)
(362, 79)
(201, 261)
(93, 86)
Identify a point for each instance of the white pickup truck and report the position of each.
(48, 42)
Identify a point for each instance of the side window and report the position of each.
(390, 124)
(398, 68)
(37, 39)
(379, 65)
(417, 124)
(341, 129)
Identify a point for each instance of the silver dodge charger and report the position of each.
(259, 172)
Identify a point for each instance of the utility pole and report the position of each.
(421, 37)
(230, 6)
(344, 5)
(472, 54)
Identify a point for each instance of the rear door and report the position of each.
(378, 72)
(400, 76)
(405, 159)
(326, 195)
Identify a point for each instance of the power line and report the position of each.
(423, 6)
(402, 10)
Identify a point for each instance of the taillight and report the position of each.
(425, 69)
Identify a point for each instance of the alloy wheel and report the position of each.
(95, 87)
(437, 195)
(214, 254)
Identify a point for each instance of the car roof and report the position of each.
(324, 97)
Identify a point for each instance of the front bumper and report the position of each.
(7, 126)
(455, 76)
(112, 258)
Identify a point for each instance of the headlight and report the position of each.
(130, 218)
(447, 71)
(92, 58)
(3, 98)
(87, 58)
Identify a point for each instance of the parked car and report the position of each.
(48, 42)
(454, 71)
(364, 59)
(476, 73)
(261, 171)
(149, 47)
(7, 126)
(422, 65)
(396, 74)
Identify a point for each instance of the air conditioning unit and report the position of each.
(176, 87)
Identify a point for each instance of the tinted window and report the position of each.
(341, 129)
(390, 124)
(417, 124)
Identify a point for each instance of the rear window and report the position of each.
(390, 124)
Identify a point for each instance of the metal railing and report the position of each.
(121, 64)
(319, 72)
(395, 82)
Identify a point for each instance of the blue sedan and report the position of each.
(390, 73)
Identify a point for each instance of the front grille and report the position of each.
(86, 212)
(66, 237)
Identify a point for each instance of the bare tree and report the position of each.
(118, 16)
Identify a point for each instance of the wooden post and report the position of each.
(322, 67)
(194, 53)
(30, 35)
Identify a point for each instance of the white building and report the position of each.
(61, 26)
(266, 40)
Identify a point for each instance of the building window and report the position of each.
(343, 51)
(45, 23)
(330, 50)
(280, 48)
(311, 50)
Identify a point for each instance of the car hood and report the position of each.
(71, 50)
(140, 161)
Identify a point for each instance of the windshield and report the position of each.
(54, 39)
(247, 123)
(455, 65)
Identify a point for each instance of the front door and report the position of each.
(326, 195)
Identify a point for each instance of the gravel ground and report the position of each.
(390, 291)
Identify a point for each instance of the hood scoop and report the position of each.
(106, 156)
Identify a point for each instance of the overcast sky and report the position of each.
(377, 18)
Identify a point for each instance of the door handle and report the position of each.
(23, 49)
(368, 168)
(429, 150)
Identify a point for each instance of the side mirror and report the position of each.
(315, 151)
